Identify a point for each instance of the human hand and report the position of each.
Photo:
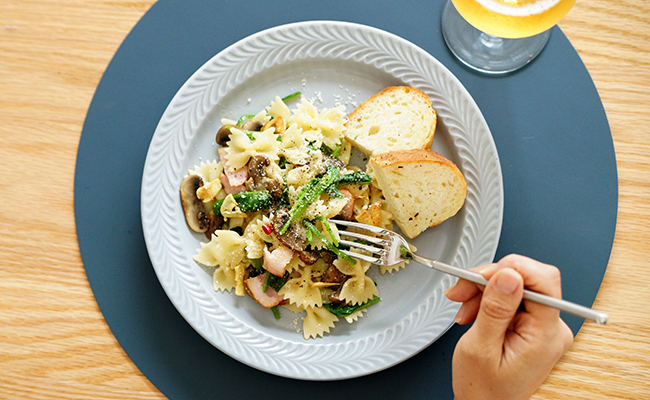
(507, 354)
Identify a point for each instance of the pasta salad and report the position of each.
(264, 206)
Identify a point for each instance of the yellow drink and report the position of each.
(513, 18)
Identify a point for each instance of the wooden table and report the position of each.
(54, 342)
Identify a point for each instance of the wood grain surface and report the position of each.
(54, 343)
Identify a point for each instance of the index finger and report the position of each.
(538, 277)
(463, 290)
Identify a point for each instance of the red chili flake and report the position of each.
(268, 229)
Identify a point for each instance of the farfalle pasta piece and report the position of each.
(241, 148)
(325, 207)
(384, 269)
(355, 315)
(278, 109)
(295, 264)
(301, 175)
(228, 278)
(293, 308)
(300, 290)
(294, 148)
(208, 171)
(317, 322)
(329, 123)
(225, 249)
(359, 288)
(263, 116)
(223, 279)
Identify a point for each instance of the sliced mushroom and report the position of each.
(347, 212)
(252, 125)
(309, 257)
(275, 188)
(195, 214)
(295, 237)
(333, 275)
(261, 181)
(257, 167)
(223, 135)
(214, 223)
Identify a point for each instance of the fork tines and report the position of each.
(359, 244)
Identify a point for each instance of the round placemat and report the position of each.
(549, 125)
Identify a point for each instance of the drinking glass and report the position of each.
(500, 36)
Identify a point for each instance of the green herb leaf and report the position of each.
(332, 152)
(276, 312)
(334, 192)
(329, 230)
(250, 135)
(405, 252)
(308, 195)
(353, 178)
(266, 281)
(248, 201)
(282, 162)
(291, 96)
(330, 246)
(277, 282)
(257, 265)
(244, 118)
(344, 310)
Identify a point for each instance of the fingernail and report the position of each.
(488, 269)
(458, 316)
(446, 291)
(507, 281)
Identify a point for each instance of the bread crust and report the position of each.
(386, 165)
(410, 156)
(406, 89)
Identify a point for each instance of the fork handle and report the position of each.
(562, 305)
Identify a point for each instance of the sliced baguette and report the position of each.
(397, 118)
(421, 187)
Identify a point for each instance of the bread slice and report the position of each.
(421, 187)
(397, 118)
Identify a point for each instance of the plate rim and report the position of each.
(252, 39)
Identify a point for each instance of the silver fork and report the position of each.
(393, 249)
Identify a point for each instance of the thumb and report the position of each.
(499, 305)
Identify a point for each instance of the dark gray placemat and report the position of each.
(547, 120)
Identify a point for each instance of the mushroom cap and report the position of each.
(252, 125)
(223, 135)
(195, 214)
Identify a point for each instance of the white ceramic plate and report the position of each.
(333, 63)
